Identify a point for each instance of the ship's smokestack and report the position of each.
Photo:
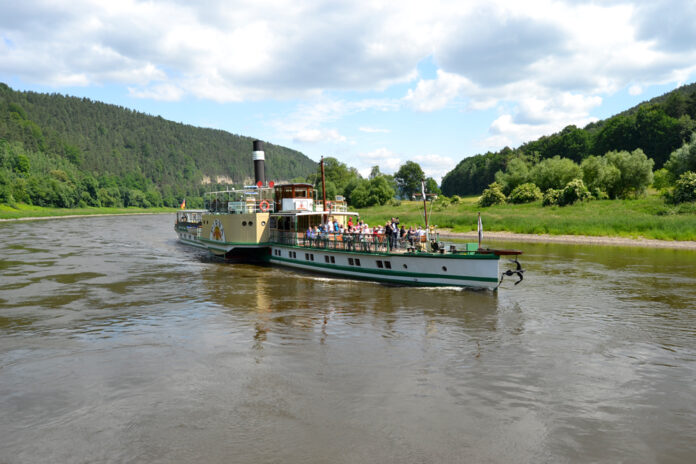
(259, 163)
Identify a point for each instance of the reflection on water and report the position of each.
(117, 344)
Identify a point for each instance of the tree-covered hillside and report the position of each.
(53, 146)
(657, 127)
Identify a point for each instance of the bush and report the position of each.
(662, 179)
(636, 173)
(525, 193)
(573, 192)
(493, 195)
(683, 159)
(454, 199)
(516, 173)
(599, 175)
(551, 197)
(554, 173)
(685, 188)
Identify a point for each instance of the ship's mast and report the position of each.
(325, 217)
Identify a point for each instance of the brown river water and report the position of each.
(118, 344)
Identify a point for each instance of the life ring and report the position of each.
(264, 205)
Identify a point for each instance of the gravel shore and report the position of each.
(573, 239)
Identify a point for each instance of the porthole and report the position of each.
(405, 266)
(444, 268)
(251, 223)
(243, 223)
(263, 223)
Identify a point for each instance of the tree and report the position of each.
(375, 172)
(658, 133)
(516, 173)
(431, 186)
(377, 191)
(554, 173)
(599, 175)
(409, 178)
(636, 173)
(685, 188)
(683, 159)
(619, 133)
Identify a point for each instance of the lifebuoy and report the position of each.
(264, 205)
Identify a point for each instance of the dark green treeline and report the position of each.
(658, 127)
(65, 151)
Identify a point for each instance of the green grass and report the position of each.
(647, 217)
(26, 211)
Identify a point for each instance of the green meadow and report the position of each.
(648, 217)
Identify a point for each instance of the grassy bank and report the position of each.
(20, 211)
(647, 217)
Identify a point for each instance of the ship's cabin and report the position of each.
(294, 197)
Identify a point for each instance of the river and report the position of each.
(118, 344)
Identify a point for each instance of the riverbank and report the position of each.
(629, 221)
(572, 239)
(38, 213)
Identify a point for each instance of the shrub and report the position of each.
(573, 192)
(683, 159)
(493, 195)
(455, 199)
(662, 179)
(554, 173)
(516, 173)
(685, 188)
(551, 197)
(636, 172)
(599, 175)
(525, 193)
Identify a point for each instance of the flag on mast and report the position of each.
(423, 188)
(183, 204)
(480, 229)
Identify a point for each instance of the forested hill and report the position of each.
(658, 127)
(68, 140)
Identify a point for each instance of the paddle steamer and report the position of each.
(274, 223)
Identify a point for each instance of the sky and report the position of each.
(371, 83)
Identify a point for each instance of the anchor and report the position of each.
(510, 272)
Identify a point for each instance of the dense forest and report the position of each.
(657, 127)
(65, 151)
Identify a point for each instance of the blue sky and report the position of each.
(371, 83)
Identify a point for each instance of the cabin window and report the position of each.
(357, 262)
(405, 266)
(444, 268)
(306, 256)
(387, 264)
(333, 260)
(350, 261)
(379, 264)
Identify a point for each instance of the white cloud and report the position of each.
(373, 130)
(388, 161)
(543, 63)
(317, 135)
(435, 166)
(436, 94)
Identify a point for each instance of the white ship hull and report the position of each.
(422, 269)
